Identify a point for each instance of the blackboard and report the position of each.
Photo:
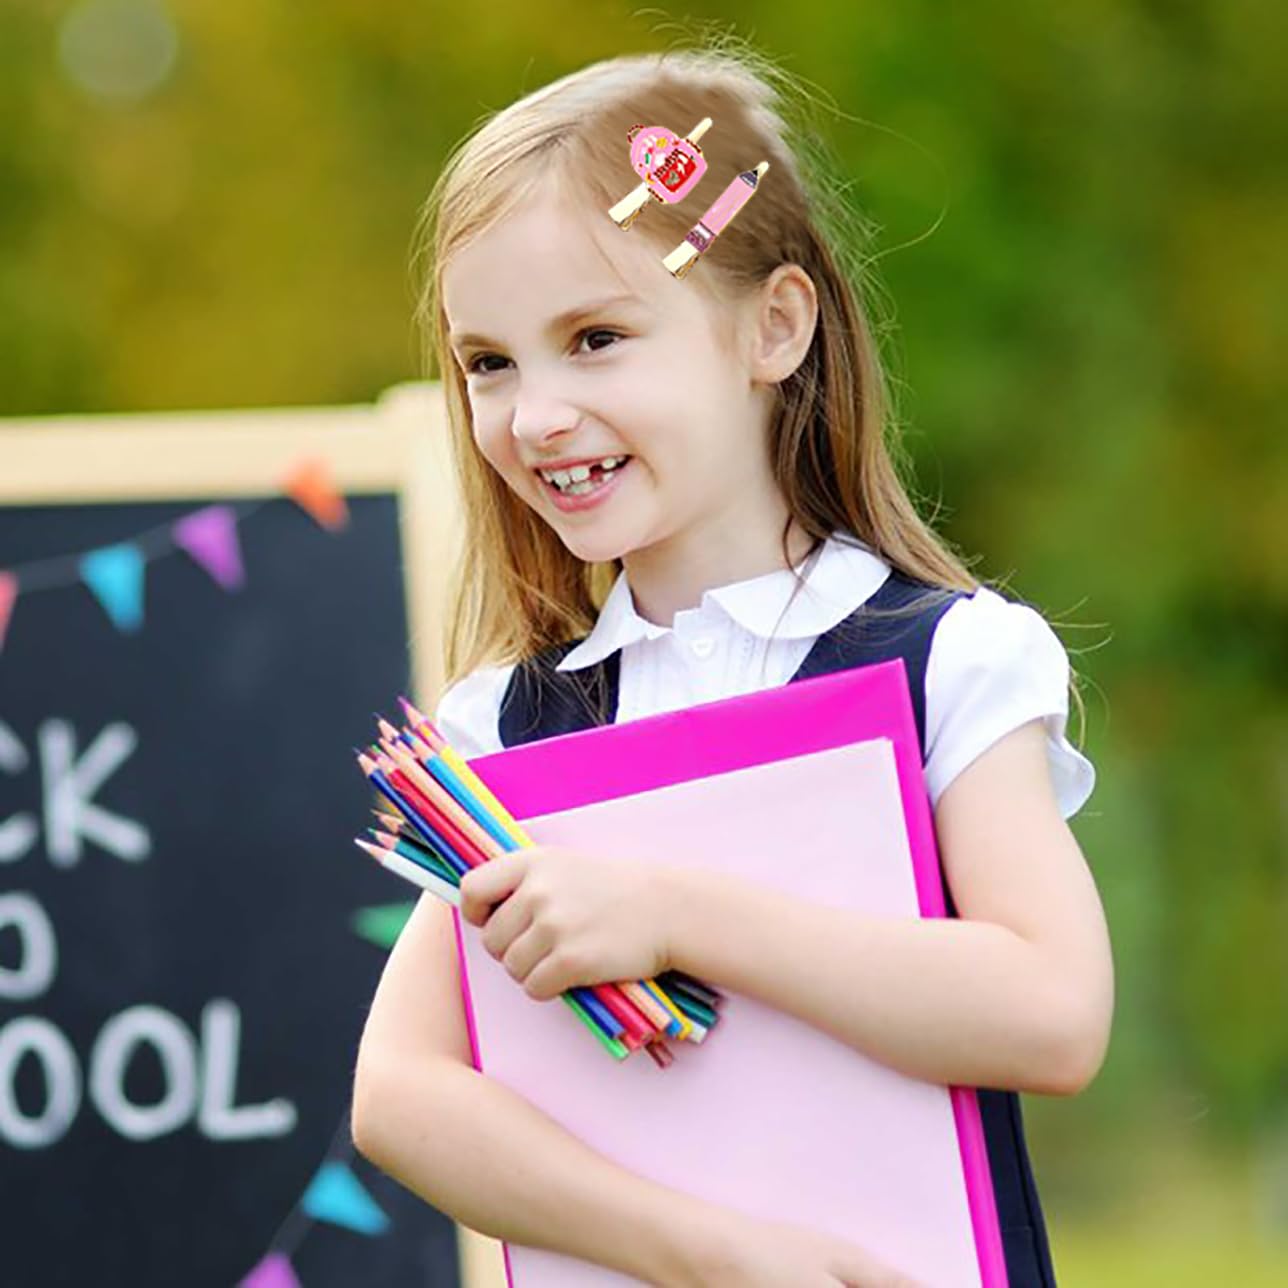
(183, 984)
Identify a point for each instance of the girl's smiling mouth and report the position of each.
(581, 486)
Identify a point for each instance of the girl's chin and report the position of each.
(597, 549)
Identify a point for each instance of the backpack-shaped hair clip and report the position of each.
(669, 165)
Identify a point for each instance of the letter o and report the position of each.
(39, 957)
(31, 1034)
(113, 1049)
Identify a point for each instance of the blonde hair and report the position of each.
(516, 589)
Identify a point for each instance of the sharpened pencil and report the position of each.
(447, 822)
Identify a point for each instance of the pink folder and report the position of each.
(767, 1115)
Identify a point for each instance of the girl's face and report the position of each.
(578, 345)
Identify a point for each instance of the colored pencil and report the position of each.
(446, 822)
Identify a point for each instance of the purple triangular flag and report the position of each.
(210, 537)
(273, 1272)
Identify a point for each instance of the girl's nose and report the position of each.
(539, 418)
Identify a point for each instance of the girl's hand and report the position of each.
(747, 1253)
(567, 918)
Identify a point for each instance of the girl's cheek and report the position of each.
(489, 438)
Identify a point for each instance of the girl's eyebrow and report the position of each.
(567, 319)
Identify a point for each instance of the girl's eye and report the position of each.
(599, 331)
(474, 369)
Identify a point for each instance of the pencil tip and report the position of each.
(412, 712)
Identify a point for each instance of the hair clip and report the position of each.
(669, 165)
(719, 214)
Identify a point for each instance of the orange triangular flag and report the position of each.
(8, 593)
(311, 488)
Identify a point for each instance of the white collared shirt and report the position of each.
(994, 664)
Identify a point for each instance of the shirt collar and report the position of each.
(845, 574)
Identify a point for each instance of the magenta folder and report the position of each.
(768, 1115)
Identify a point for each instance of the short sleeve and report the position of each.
(995, 665)
(468, 711)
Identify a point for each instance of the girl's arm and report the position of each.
(1018, 994)
(489, 1159)
(478, 1151)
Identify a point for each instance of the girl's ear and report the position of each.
(785, 319)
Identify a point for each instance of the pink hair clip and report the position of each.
(741, 189)
(669, 165)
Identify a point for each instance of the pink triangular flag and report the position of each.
(210, 537)
(273, 1272)
(8, 594)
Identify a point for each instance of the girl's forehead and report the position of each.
(548, 238)
(544, 260)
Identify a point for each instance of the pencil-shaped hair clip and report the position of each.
(720, 213)
(669, 165)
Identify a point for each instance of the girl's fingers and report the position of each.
(873, 1274)
(543, 978)
(526, 954)
(508, 921)
(489, 884)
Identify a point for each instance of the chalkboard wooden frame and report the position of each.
(398, 444)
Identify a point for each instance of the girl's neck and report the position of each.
(672, 576)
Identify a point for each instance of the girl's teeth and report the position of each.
(577, 480)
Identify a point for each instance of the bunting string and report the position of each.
(64, 570)
(115, 574)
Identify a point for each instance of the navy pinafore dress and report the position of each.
(541, 702)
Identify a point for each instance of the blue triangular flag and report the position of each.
(337, 1196)
(115, 575)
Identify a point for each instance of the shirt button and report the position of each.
(703, 646)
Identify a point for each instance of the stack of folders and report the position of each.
(447, 822)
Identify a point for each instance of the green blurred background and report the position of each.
(1078, 216)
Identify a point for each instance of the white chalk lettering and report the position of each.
(200, 1079)
(30, 1035)
(120, 1038)
(70, 813)
(220, 1119)
(18, 832)
(38, 959)
(198, 1075)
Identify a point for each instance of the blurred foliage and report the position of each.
(1080, 214)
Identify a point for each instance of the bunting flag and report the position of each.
(312, 489)
(8, 594)
(382, 925)
(210, 537)
(115, 575)
(273, 1272)
(337, 1197)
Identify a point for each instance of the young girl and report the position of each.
(678, 490)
